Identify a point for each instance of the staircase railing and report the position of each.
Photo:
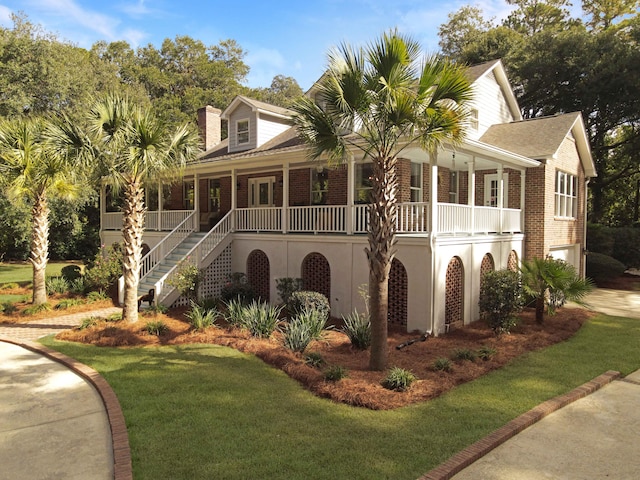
(199, 251)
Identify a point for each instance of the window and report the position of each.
(416, 182)
(453, 186)
(473, 119)
(319, 186)
(566, 195)
(364, 174)
(187, 195)
(242, 129)
(214, 195)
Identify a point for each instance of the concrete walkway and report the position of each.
(618, 303)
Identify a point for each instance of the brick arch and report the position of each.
(487, 265)
(258, 274)
(316, 274)
(398, 293)
(454, 294)
(512, 261)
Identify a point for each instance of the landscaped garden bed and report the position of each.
(360, 386)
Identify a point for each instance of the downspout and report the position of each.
(584, 252)
(433, 220)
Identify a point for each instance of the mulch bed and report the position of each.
(362, 387)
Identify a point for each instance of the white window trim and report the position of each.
(420, 181)
(238, 122)
(473, 119)
(566, 199)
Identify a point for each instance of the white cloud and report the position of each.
(265, 56)
(137, 9)
(72, 13)
(134, 37)
(5, 15)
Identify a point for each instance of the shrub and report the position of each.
(599, 239)
(602, 267)
(187, 279)
(200, 317)
(157, 327)
(8, 308)
(335, 373)
(485, 352)
(237, 286)
(501, 300)
(105, 269)
(297, 335)
(234, 312)
(398, 379)
(626, 241)
(56, 285)
(314, 359)
(357, 327)
(96, 296)
(9, 286)
(261, 319)
(67, 303)
(209, 303)
(34, 309)
(71, 272)
(462, 354)
(88, 322)
(77, 286)
(307, 300)
(442, 364)
(154, 310)
(286, 287)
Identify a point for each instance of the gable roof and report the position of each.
(256, 106)
(476, 72)
(540, 138)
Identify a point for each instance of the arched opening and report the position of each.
(487, 265)
(512, 261)
(398, 293)
(316, 274)
(454, 295)
(258, 273)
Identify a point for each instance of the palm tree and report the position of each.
(552, 282)
(130, 148)
(379, 100)
(30, 169)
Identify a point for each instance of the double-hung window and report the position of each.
(416, 182)
(566, 195)
(242, 131)
(364, 183)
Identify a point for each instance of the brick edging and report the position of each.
(119, 436)
(474, 452)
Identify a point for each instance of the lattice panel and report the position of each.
(454, 293)
(487, 265)
(316, 274)
(258, 273)
(512, 261)
(214, 278)
(398, 288)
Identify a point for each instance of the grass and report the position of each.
(23, 272)
(211, 412)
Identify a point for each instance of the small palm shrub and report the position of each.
(307, 300)
(335, 373)
(485, 352)
(462, 354)
(234, 312)
(286, 287)
(501, 300)
(200, 317)
(157, 327)
(314, 359)
(56, 285)
(88, 322)
(67, 303)
(442, 364)
(261, 319)
(357, 327)
(237, 286)
(398, 379)
(34, 309)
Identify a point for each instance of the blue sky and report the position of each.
(289, 37)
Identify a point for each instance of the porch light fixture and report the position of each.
(453, 161)
(319, 168)
(238, 185)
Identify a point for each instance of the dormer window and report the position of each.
(473, 119)
(242, 131)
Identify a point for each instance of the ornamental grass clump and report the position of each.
(398, 379)
(297, 335)
(261, 319)
(201, 317)
(335, 373)
(58, 285)
(156, 328)
(357, 327)
(234, 312)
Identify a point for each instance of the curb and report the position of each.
(474, 452)
(119, 436)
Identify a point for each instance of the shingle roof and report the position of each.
(474, 72)
(536, 138)
(266, 106)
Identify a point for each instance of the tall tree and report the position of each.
(380, 100)
(30, 169)
(132, 149)
(464, 27)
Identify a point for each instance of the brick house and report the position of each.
(253, 203)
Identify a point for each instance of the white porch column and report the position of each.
(500, 194)
(196, 201)
(103, 204)
(523, 179)
(433, 192)
(351, 186)
(285, 198)
(471, 191)
(160, 206)
(234, 197)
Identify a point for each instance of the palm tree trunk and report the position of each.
(132, 231)
(540, 309)
(39, 247)
(381, 236)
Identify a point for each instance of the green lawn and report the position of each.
(23, 272)
(204, 411)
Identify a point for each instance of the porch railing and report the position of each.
(259, 219)
(166, 220)
(318, 218)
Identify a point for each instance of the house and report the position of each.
(253, 203)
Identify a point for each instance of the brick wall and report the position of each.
(403, 171)
(337, 194)
(300, 187)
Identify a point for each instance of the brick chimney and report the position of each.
(209, 126)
